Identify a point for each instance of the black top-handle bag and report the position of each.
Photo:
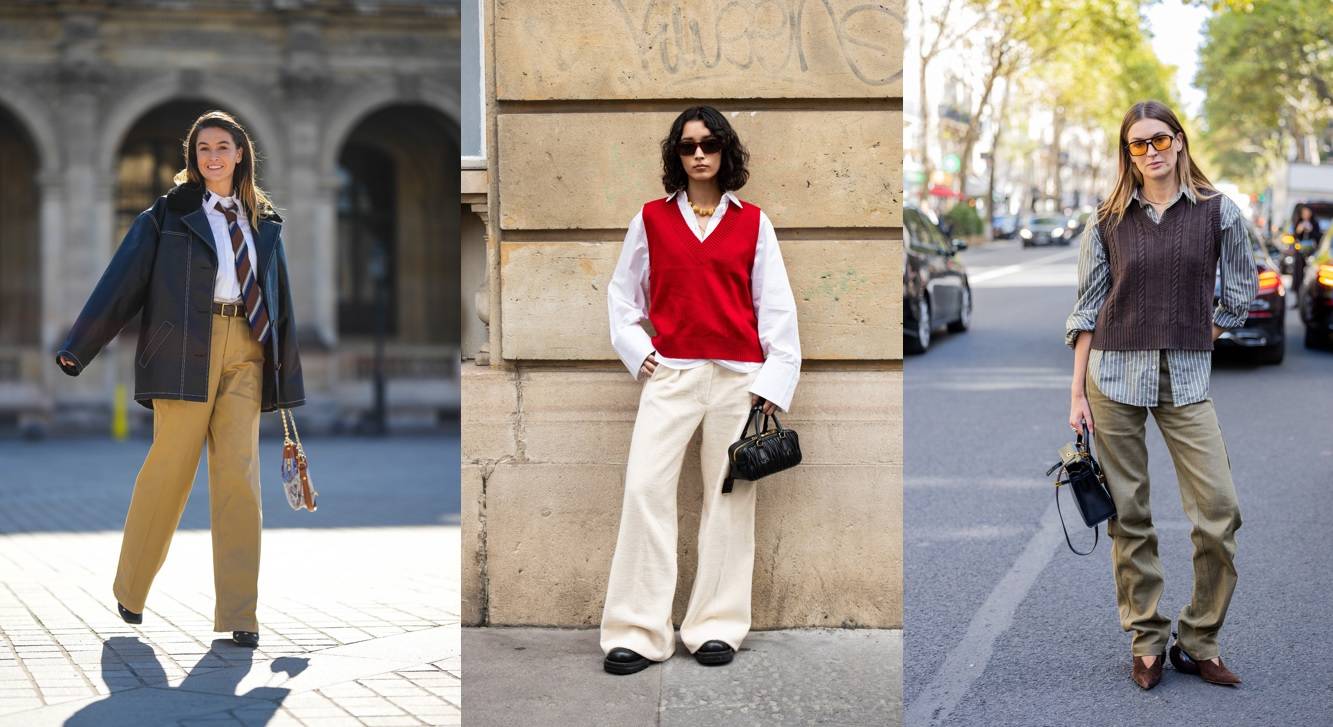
(762, 453)
(1085, 479)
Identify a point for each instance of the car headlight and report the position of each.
(1058, 232)
(1025, 233)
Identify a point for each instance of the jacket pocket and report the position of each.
(159, 337)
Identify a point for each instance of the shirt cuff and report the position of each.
(1228, 320)
(776, 382)
(1071, 335)
(633, 348)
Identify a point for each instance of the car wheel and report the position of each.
(964, 313)
(921, 341)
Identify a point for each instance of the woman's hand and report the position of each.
(1079, 412)
(648, 366)
(769, 408)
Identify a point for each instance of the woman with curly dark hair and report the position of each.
(724, 339)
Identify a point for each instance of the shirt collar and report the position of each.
(728, 195)
(211, 199)
(1184, 189)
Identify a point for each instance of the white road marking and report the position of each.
(968, 659)
(1004, 270)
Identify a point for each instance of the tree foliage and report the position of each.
(1266, 68)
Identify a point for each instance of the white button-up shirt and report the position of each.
(227, 288)
(774, 306)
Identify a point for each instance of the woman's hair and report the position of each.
(1128, 177)
(731, 173)
(254, 198)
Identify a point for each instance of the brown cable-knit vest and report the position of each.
(1162, 278)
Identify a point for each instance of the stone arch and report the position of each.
(36, 117)
(367, 101)
(132, 106)
(397, 170)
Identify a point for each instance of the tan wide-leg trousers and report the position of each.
(1209, 498)
(229, 422)
(642, 584)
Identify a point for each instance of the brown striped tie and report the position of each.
(255, 311)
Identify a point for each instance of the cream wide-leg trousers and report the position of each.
(642, 585)
(229, 423)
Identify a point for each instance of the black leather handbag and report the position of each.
(1080, 471)
(761, 454)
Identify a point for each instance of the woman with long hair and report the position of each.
(704, 268)
(205, 273)
(1142, 331)
(1305, 230)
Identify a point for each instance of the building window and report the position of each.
(473, 79)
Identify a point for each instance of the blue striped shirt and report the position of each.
(1130, 377)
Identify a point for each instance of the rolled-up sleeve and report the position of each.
(1240, 278)
(775, 311)
(1094, 282)
(627, 299)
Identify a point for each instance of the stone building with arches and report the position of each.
(353, 107)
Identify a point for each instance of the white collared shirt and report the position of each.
(226, 288)
(774, 306)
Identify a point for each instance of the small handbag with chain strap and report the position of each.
(296, 483)
(1080, 471)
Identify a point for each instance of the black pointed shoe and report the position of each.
(127, 615)
(245, 638)
(714, 653)
(625, 661)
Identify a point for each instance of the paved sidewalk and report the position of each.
(537, 676)
(358, 614)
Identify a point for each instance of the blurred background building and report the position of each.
(353, 108)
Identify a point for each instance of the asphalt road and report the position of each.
(1003, 625)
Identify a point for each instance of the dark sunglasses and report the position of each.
(710, 145)
(1161, 142)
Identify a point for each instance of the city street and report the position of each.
(358, 604)
(1004, 625)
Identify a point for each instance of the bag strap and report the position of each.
(751, 418)
(1070, 543)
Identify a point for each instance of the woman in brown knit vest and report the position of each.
(1142, 333)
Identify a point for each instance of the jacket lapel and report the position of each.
(265, 242)
(197, 221)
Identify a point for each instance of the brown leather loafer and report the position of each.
(1208, 671)
(1146, 676)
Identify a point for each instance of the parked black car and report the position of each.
(1045, 230)
(935, 289)
(1263, 332)
(1315, 295)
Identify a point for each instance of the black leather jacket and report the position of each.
(164, 272)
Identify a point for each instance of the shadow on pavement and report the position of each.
(150, 699)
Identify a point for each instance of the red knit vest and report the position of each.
(699, 295)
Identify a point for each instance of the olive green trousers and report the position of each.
(229, 423)
(1208, 495)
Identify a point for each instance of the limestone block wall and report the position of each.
(578, 99)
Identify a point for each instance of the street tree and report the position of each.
(1266, 69)
(941, 29)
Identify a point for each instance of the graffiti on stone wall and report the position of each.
(689, 38)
